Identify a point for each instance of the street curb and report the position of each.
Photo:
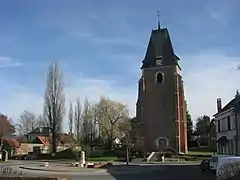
(174, 163)
(55, 170)
(179, 164)
(115, 172)
(17, 164)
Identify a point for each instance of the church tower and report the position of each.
(161, 108)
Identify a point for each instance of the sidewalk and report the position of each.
(174, 162)
(63, 169)
(10, 162)
(118, 169)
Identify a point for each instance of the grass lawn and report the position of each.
(200, 153)
(103, 159)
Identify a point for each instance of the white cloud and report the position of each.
(20, 98)
(222, 11)
(127, 39)
(206, 77)
(8, 62)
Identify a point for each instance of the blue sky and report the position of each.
(100, 46)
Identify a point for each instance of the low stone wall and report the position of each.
(32, 178)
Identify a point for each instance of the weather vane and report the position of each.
(158, 19)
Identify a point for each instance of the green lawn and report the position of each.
(103, 159)
(200, 153)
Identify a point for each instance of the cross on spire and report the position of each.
(158, 19)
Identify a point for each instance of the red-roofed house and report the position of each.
(11, 146)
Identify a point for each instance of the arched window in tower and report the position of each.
(159, 77)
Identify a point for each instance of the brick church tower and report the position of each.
(161, 108)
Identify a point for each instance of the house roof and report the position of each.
(40, 130)
(237, 104)
(64, 138)
(13, 143)
(21, 139)
(44, 140)
(229, 105)
(234, 103)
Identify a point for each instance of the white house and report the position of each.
(228, 127)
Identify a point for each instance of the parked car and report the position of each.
(214, 161)
(228, 168)
(205, 165)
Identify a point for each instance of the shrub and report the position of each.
(190, 158)
(66, 154)
(169, 153)
(7, 171)
(159, 156)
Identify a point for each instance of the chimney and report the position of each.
(219, 104)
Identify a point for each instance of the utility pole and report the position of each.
(127, 149)
(127, 156)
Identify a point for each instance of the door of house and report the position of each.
(36, 150)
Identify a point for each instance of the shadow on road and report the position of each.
(164, 172)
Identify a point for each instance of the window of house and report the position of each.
(219, 126)
(228, 123)
(233, 123)
(159, 77)
(232, 146)
(220, 148)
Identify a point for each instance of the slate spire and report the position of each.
(159, 48)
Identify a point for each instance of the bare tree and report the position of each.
(5, 127)
(54, 105)
(78, 120)
(27, 122)
(112, 114)
(88, 125)
(70, 118)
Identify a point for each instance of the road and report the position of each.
(146, 172)
(173, 172)
(162, 173)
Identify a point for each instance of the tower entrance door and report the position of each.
(162, 143)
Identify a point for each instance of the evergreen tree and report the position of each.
(189, 125)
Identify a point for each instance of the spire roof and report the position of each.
(159, 47)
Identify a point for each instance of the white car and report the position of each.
(214, 161)
(228, 167)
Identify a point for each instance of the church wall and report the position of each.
(182, 133)
(159, 107)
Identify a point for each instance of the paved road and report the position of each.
(162, 173)
(173, 172)
(146, 172)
